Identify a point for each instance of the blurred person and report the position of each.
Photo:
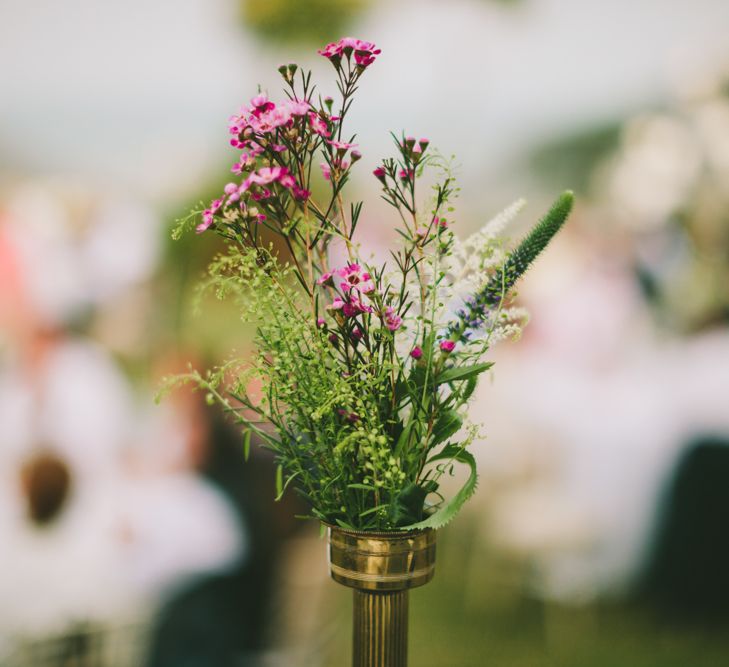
(90, 531)
(591, 416)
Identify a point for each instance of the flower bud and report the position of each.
(355, 155)
(447, 346)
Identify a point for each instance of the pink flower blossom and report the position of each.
(447, 346)
(299, 107)
(330, 51)
(287, 181)
(357, 334)
(341, 145)
(320, 322)
(300, 194)
(416, 352)
(325, 278)
(337, 304)
(326, 171)
(354, 278)
(406, 175)
(261, 104)
(208, 215)
(354, 307)
(380, 173)
(421, 231)
(392, 320)
(266, 176)
(364, 52)
(319, 125)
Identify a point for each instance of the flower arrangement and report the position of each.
(362, 373)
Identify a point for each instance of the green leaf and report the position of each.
(407, 506)
(462, 372)
(447, 425)
(450, 508)
(403, 439)
(363, 487)
(279, 481)
(469, 388)
(247, 445)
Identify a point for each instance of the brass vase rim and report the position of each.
(380, 534)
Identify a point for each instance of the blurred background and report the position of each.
(133, 534)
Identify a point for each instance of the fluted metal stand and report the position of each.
(381, 568)
(380, 629)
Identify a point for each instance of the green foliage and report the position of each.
(450, 508)
(356, 384)
(521, 258)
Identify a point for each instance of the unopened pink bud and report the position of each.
(447, 346)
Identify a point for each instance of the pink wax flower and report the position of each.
(354, 278)
(422, 232)
(342, 146)
(354, 307)
(326, 171)
(337, 304)
(266, 176)
(392, 320)
(326, 278)
(447, 346)
(261, 104)
(320, 322)
(424, 143)
(299, 107)
(287, 181)
(406, 175)
(364, 52)
(208, 215)
(300, 194)
(357, 334)
(380, 173)
(319, 125)
(416, 352)
(330, 51)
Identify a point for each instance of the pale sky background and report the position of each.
(139, 92)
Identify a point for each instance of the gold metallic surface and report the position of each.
(382, 561)
(381, 567)
(380, 629)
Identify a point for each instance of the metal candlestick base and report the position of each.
(381, 568)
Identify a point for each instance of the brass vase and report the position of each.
(381, 568)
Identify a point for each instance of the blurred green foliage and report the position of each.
(309, 22)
